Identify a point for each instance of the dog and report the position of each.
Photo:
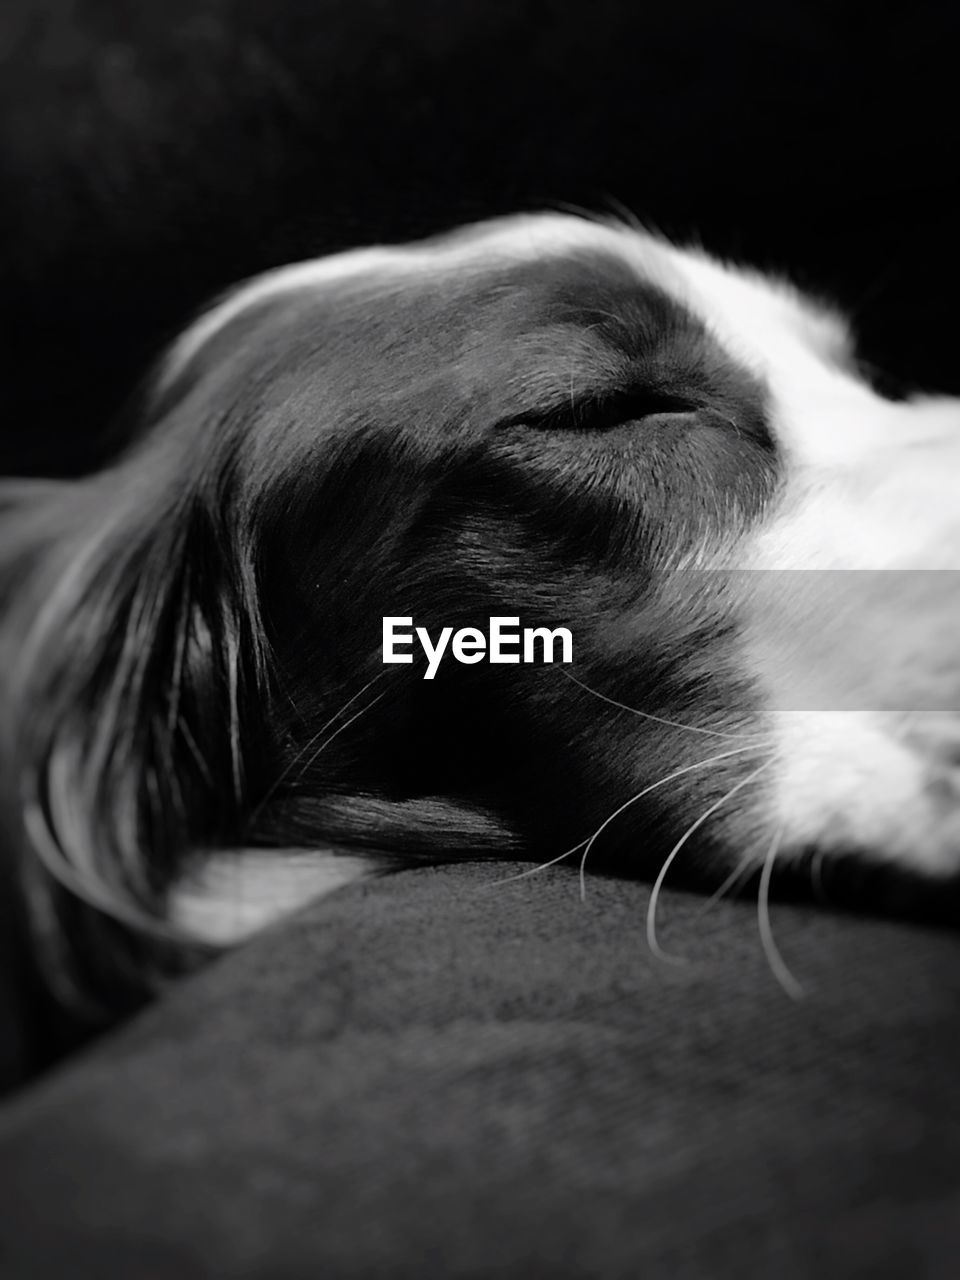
(559, 420)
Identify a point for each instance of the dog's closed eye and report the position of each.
(605, 412)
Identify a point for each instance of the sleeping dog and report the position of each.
(564, 422)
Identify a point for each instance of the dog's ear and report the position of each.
(129, 649)
(144, 728)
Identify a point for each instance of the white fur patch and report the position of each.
(850, 592)
(233, 893)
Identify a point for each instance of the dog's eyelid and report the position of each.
(604, 412)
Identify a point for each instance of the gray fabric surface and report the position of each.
(428, 1076)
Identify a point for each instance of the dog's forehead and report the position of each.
(549, 268)
(518, 311)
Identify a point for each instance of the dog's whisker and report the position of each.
(308, 746)
(552, 862)
(670, 777)
(671, 857)
(314, 755)
(532, 871)
(778, 966)
(672, 724)
(729, 886)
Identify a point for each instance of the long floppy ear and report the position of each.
(141, 730)
(130, 642)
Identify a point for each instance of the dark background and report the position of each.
(152, 153)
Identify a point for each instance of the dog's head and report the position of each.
(567, 422)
